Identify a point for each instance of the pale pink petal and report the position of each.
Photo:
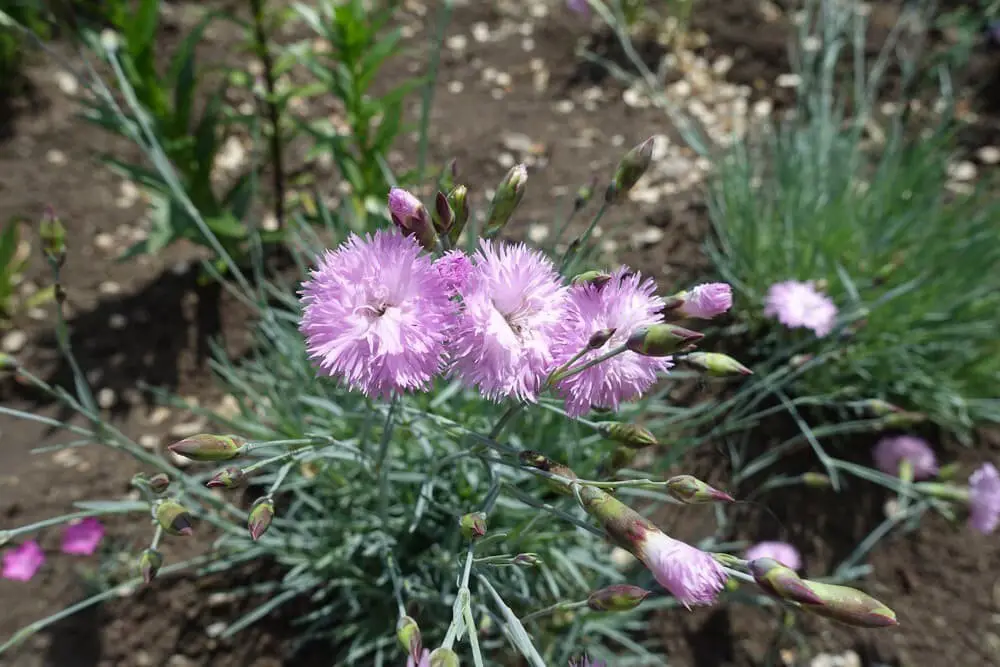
(83, 537)
(782, 552)
(22, 563)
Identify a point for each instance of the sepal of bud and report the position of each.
(458, 200)
(620, 597)
(717, 364)
(443, 657)
(630, 435)
(633, 165)
(442, 216)
(781, 582)
(473, 525)
(692, 491)
(261, 514)
(661, 340)
(150, 562)
(596, 278)
(600, 338)
(508, 195)
(849, 606)
(173, 517)
(53, 236)
(408, 633)
(159, 482)
(229, 477)
(209, 447)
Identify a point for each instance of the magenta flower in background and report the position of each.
(511, 307)
(579, 6)
(890, 452)
(984, 498)
(81, 538)
(690, 574)
(707, 300)
(375, 313)
(585, 661)
(425, 660)
(800, 305)
(782, 552)
(22, 563)
(454, 267)
(625, 303)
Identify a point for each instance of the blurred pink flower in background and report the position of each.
(83, 537)
(891, 451)
(984, 498)
(782, 552)
(22, 563)
(800, 305)
(579, 6)
(425, 660)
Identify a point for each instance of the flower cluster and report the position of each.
(382, 315)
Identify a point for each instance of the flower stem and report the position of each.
(569, 261)
(559, 606)
(559, 377)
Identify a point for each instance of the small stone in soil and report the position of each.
(989, 155)
(188, 428)
(117, 321)
(962, 171)
(455, 87)
(106, 398)
(14, 341)
(149, 441)
(538, 232)
(109, 288)
(56, 157)
(159, 415)
(67, 83)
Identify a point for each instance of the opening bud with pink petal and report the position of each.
(781, 581)
(408, 633)
(508, 195)
(410, 215)
(230, 477)
(633, 165)
(209, 447)
(661, 340)
(473, 525)
(620, 597)
(259, 519)
(692, 491)
(174, 518)
(150, 562)
(717, 364)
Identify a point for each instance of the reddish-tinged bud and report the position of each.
(150, 562)
(209, 447)
(410, 215)
(692, 491)
(717, 364)
(227, 478)
(442, 216)
(849, 606)
(459, 203)
(661, 340)
(261, 513)
(596, 278)
(508, 196)
(159, 482)
(630, 435)
(173, 517)
(408, 633)
(781, 582)
(473, 525)
(634, 164)
(620, 597)
(443, 657)
(600, 338)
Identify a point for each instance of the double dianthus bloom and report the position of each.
(384, 316)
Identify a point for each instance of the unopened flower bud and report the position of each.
(619, 458)
(443, 657)
(53, 236)
(159, 482)
(781, 581)
(408, 633)
(459, 203)
(173, 517)
(849, 606)
(620, 597)
(473, 525)
(261, 513)
(661, 340)
(228, 478)
(527, 560)
(150, 562)
(539, 461)
(443, 216)
(717, 364)
(630, 435)
(880, 408)
(410, 216)
(816, 480)
(596, 278)
(692, 491)
(508, 195)
(584, 194)
(448, 175)
(633, 165)
(209, 447)
(600, 338)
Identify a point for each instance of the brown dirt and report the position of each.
(938, 579)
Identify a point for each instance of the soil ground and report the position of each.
(149, 321)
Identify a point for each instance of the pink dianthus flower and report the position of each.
(690, 574)
(890, 452)
(22, 563)
(782, 552)
(800, 305)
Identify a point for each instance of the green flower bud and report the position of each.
(150, 562)
(261, 513)
(596, 278)
(717, 364)
(473, 525)
(209, 447)
(53, 236)
(849, 606)
(880, 408)
(620, 458)
(173, 517)
(527, 560)
(902, 419)
(600, 338)
(584, 195)
(661, 340)
(633, 165)
(508, 196)
(227, 478)
(541, 462)
(781, 582)
(816, 480)
(408, 633)
(620, 597)
(159, 482)
(692, 491)
(442, 216)
(443, 657)
(630, 435)
(459, 203)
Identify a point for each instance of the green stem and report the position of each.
(427, 100)
(157, 535)
(569, 261)
(271, 107)
(590, 364)
(280, 477)
(504, 418)
(11, 533)
(559, 606)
